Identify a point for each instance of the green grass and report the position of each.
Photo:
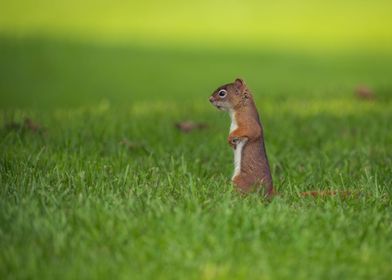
(76, 203)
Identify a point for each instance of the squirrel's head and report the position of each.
(230, 96)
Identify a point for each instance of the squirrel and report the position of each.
(251, 167)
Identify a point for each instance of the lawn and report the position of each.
(96, 181)
(102, 185)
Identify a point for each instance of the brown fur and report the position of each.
(255, 170)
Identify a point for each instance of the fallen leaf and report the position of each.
(188, 126)
(364, 93)
(28, 125)
(32, 126)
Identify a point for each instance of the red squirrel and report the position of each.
(251, 167)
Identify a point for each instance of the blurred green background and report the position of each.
(98, 183)
(71, 52)
(246, 24)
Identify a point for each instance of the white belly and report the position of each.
(233, 125)
(239, 148)
(238, 157)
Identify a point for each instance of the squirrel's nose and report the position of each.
(211, 99)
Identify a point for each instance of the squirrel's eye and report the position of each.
(222, 93)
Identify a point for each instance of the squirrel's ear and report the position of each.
(239, 83)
